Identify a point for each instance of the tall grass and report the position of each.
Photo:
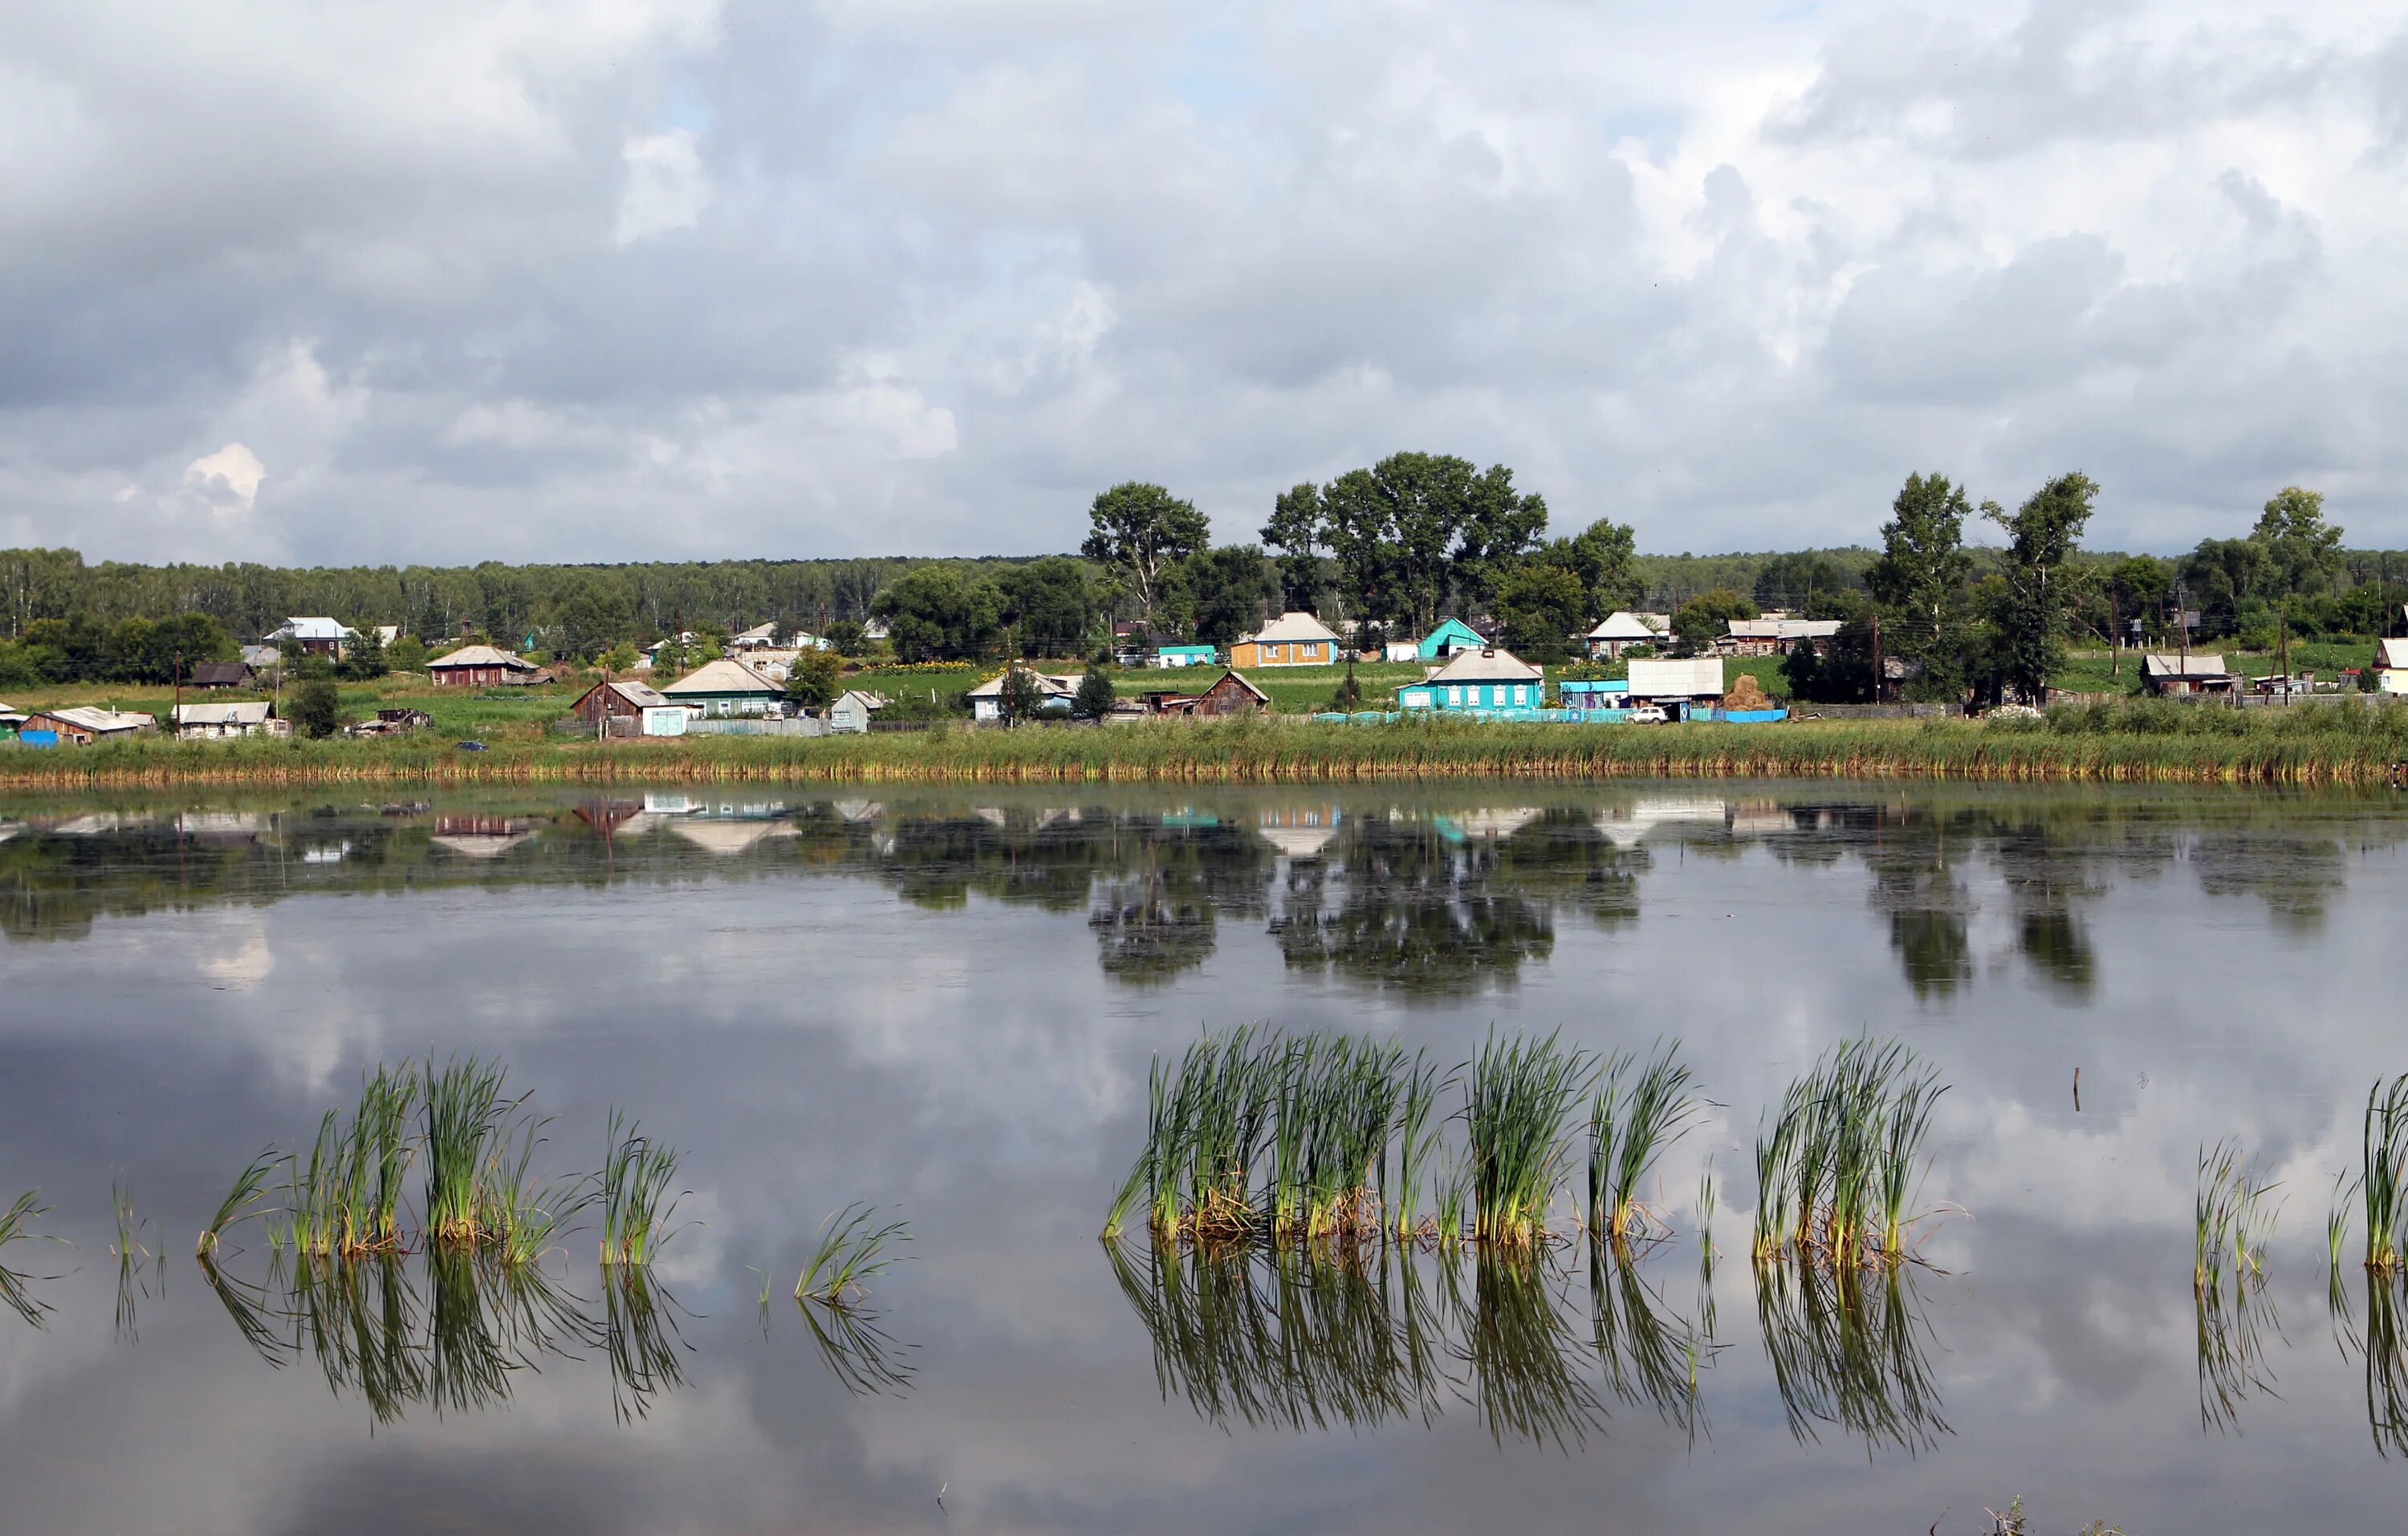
(853, 1248)
(243, 1201)
(1839, 1172)
(2230, 1222)
(1630, 1126)
(466, 1113)
(637, 1194)
(1519, 1097)
(2383, 1176)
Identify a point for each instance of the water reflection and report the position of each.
(1438, 892)
(2381, 1350)
(1299, 1336)
(1850, 1349)
(449, 1331)
(2233, 1327)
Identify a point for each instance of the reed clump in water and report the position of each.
(637, 1194)
(16, 1227)
(1838, 1172)
(1631, 1123)
(2231, 1222)
(2382, 1181)
(853, 1248)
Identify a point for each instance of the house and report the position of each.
(651, 654)
(1679, 688)
(387, 634)
(480, 667)
(618, 701)
(2185, 676)
(11, 721)
(1451, 636)
(319, 636)
(1772, 637)
(2392, 666)
(83, 725)
(1229, 695)
(761, 636)
(215, 722)
(259, 658)
(986, 700)
(1292, 639)
(1621, 629)
(218, 674)
(1487, 681)
(1606, 698)
(404, 720)
(726, 688)
(850, 713)
(1184, 655)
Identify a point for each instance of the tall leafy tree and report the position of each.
(2028, 615)
(1541, 605)
(2302, 550)
(933, 614)
(1919, 582)
(1358, 526)
(1500, 525)
(1707, 615)
(1227, 587)
(1142, 530)
(1295, 531)
(1605, 556)
(1050, 605)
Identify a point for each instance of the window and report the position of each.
(1454, 693)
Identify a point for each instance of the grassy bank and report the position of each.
(2140, 741)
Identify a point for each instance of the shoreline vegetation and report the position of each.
(2134, 742)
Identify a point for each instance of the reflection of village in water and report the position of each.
(1542, 1348)
(1437, 894)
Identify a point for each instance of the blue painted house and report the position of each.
(1184, 655)
(1487, 682)
(1452, 636)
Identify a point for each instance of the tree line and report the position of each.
(1390, 548)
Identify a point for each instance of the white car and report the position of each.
(1648, 714)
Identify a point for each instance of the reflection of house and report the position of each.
(1486, 680)
(1772, 637)
(724, 837)
(1624, 825)
(1621, 629)
(480, 667)
(2392, 666)
(1292, 639)
(1492, 824)
(319, 636)
(2180, 676)
(725, 688)
(212, 722)
(83, 725)
(1680, 688)
(986, 700)
(1301, 832)
(222, 825)
(480, 835)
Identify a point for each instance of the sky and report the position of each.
(621, 279)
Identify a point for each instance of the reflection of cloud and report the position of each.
(246, 966)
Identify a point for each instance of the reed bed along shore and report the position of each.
(2144, 741)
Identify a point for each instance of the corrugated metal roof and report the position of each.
(2392, 653)
(95, 719)
(2201, 665)
(1046, 684)
(724, 676)
(248, 712)
(481, 656)
(1694, 678)
(320, 628)
(1623, 625)
(1486, 667)
(1290, 627)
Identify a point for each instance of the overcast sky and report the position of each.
(616, 280)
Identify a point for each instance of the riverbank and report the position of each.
(2141, 742)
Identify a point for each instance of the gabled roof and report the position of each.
(1049, 685)
(2156, 664)
(95, 719)
(1232, 674)
(643, 696)
(253, 713)
(1292, 627)
(2392, 653)
(262, 655)
(868, 701)
(724, 676)
(1695, 678)
(481, 656)
(765, 633)
(1486, 666)
(314, 629)
(1784, 629)
(207, 674)
(1623, 625)
(1453, 629)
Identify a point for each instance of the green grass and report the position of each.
(2382, 1181)
(1631, 1125)
(2231, 1221)
(853, 1248)
(1519, 1097)
(1838, 1172)
(635, 1194)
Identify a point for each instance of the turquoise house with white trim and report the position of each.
(1450, 637)
(1489, 683)
(1184, 655)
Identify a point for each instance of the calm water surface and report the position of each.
(945, 1003)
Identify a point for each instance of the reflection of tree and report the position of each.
(2049, 877)
(1848, 1348)
(1565, 860)
(1416, 913)
(2293, 876)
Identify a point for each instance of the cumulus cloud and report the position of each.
(233, 473)
(610, 279)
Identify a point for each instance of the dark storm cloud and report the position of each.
(612, 279)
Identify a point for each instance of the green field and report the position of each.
(2093, 672)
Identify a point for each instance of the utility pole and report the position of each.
(2282, 645)
(175, 720)
(2114, 629)
(1879, 681)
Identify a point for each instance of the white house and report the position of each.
(986, 700)
(850, 712)
(1623, 628)
(2392, 666)
(1679, 686)
(210, 721)
(317, 636)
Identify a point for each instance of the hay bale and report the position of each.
(1746, 694)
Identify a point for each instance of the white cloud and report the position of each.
(666, 186)
(232, 474)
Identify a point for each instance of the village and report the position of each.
(1457, 671)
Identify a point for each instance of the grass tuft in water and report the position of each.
(2230, 1222)
(1520, 1095)
(853, 1246)
(1838, 1173)
(1630, 1124)
(635, 1193)
(16, 1227)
